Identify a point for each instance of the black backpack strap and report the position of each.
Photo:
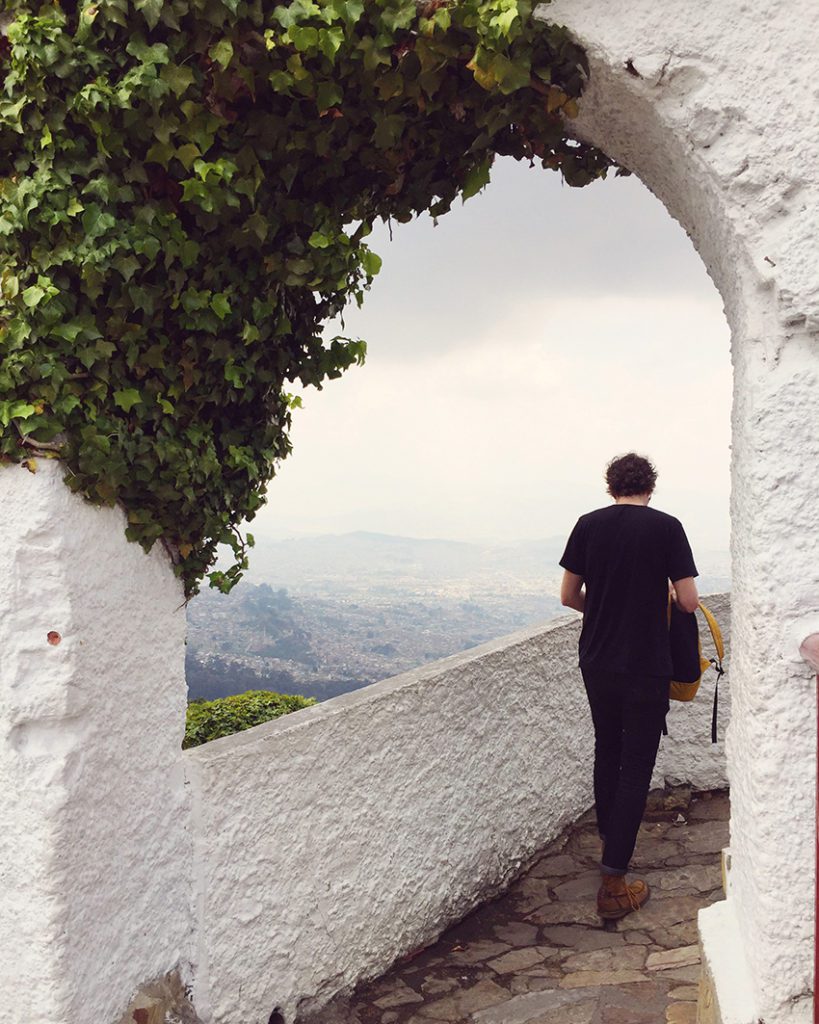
(720, 672)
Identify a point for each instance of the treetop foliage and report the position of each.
(186, 189)
(208, 720)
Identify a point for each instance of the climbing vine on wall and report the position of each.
(186, 189)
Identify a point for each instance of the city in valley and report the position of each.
(324, 615)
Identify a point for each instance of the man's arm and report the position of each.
(572, 594)
(684, 592)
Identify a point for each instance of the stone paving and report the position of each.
(539, 954)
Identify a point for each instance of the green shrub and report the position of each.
(210, 719)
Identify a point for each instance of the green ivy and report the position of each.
(208, 720)
(186, 189)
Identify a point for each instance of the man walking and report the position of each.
(619, 562)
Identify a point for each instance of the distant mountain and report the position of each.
(304, 562)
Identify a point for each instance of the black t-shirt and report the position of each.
(626, 555)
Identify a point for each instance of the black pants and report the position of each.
(628, 712)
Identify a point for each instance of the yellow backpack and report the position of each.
(688, 661)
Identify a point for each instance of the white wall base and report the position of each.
(726, 989)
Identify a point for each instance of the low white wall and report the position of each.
(333, 840)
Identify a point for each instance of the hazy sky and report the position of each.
(513, 349)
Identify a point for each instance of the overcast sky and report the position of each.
(534, 333)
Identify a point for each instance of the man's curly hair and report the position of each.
(630, 474)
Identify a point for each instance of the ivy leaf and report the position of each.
(187, 154)
(505, 20)
(510, 75)
(222, 53)
(126, 265)
(155, 54)
(234, 375)
(280, 80)
(178, 79)
(160, 153)
(328, 94)
(68, 332)
(65, 405)
(330, 40)
(95, 221)
(555, 98)
(33, 295)
(477, 178)
(220, 305)
(9, 285)
(127, 398)
(304, 38)
(151, 10)
(286, 16)
(388, 129)
(371, 262)
(353, 9)
(15, 411)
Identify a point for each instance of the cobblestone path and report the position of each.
(539, 955)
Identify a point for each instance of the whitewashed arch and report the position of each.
(676, 96)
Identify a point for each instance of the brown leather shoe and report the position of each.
(615, 898)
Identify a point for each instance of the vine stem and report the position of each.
(38, 446)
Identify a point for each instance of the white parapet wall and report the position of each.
(94, 848)
(332, 841)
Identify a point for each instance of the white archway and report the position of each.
(675, 96)
(714, 108)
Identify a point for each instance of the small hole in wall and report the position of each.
(53, 637)
(276, 1017)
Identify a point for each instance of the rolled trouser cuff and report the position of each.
(612, 871)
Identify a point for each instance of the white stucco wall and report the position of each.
(93, 842)
(741, 173)
(333, 840)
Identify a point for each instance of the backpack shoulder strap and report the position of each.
(716, 633)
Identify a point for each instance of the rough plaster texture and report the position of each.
(93, 845)
(336, 839)
(714, 107)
